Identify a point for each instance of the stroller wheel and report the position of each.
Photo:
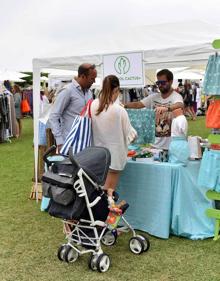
(92, 263)
(109, 238)
(103, 263)
(146, 242)
(61, 251)
(70, 254)
(136, 245)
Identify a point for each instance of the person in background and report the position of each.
(179, 148)
(8, 86)
(154, 90)
(188, 100)
(70, 102)
(133, 95)
(17, 99)
(163, 103)
(111, 129)
(44, 101)
(198, 96)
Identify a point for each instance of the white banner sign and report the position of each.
(128, 67)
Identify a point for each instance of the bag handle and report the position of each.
(87, 109)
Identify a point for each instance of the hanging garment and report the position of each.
(213, 115)
(4, 117)
(179, 150)
(211, 84)
(209, 172)
(12, 115)
(143, 121)
(25, 107)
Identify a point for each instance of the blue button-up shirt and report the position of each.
(69, 103)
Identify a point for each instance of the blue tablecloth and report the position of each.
(164, 198)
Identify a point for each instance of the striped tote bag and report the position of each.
(80, 135)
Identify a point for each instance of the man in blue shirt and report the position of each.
(70, 102)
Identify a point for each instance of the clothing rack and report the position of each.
(213, 213)
(7, 117)
(4, 117)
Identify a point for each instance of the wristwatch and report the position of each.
(169, 108)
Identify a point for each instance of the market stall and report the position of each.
(164, 198)
(164, 45)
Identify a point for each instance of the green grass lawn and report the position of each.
(29, 238)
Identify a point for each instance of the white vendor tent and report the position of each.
(12, 75)
(164, 45)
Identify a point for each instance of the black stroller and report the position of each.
(74, 186)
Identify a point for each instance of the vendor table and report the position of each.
(164, 198)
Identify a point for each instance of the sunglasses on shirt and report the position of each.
(161, 82)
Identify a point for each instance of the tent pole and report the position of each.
(36, 105)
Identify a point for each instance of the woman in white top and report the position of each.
(111, 129)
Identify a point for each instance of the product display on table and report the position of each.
(195, 151)
(143, 156)
(142, 153)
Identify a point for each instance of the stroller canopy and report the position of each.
(94, 161)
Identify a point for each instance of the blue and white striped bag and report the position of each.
(80, 135)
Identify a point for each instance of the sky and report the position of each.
(33, 29)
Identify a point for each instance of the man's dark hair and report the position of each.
(7, 85)
(167, 73)
(84, 69)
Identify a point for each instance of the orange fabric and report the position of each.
(215, 146)
(213, 115)
(25, 107)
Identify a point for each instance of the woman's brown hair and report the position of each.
(110, 82)
(16, 88)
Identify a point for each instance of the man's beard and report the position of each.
(165, 90)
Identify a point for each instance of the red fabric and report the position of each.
(213, 115)
(25, 107)
(86, 111)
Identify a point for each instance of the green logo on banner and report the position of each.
(122, 65)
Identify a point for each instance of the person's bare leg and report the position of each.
(17, 129)
(189, 112)
(20, 127)
(111, 183)
(193, 113)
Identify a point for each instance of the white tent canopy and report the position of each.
(189, 74)
(12, 75)
(164, 45)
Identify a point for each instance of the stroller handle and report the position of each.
(50, 149)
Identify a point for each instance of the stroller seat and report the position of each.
(94, 161)
(59, 181)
